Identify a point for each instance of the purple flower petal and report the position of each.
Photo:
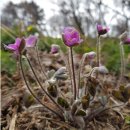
(127, 41)
(71, 36)
(54, 48)
(31, 41)
(99, 27)
(17, 42)
(101, 30)
(11, 47)
(68, 29)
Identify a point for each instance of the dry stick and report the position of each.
(21, 66)
(80, 70)
(98, 50)
(95, 113)
(40, 63)
(122, 64)
(73, 73)
(59, 123)
(42, 86)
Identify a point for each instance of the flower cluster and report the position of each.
(85, 97)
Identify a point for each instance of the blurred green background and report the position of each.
(110, 48)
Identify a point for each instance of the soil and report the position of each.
(19, 110)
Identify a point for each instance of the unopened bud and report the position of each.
(91, 55)
(61, 74)
(124, 38)
(54, 48)
(102, 70)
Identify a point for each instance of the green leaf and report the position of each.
(121, 88)
(92, 89)
(126, 93)
(85, 101)
(52, 91)
(80, 112)
(127, 120)
(117, 94)
(62, 102)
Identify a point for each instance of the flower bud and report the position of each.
(71, 36)
(61, 74)
(102, 70)
(124, 38)
(54, 48)
(101, 30)
(61, 71)
(91, 55)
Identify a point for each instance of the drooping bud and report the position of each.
(124, 38)
(91, 55)
(54, 48)
(102, 30)
(61, 74)
(102, 70)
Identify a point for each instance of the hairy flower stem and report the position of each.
(73, 73)
(42, 86)
(122, 70)
(41, 66)
(98, 50)
(23, 74)
(80, 71)
(69, 70)
(67, 63)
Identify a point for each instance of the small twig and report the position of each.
(59, 122)
(100, 110)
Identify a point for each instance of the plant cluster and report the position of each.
(87, 98)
